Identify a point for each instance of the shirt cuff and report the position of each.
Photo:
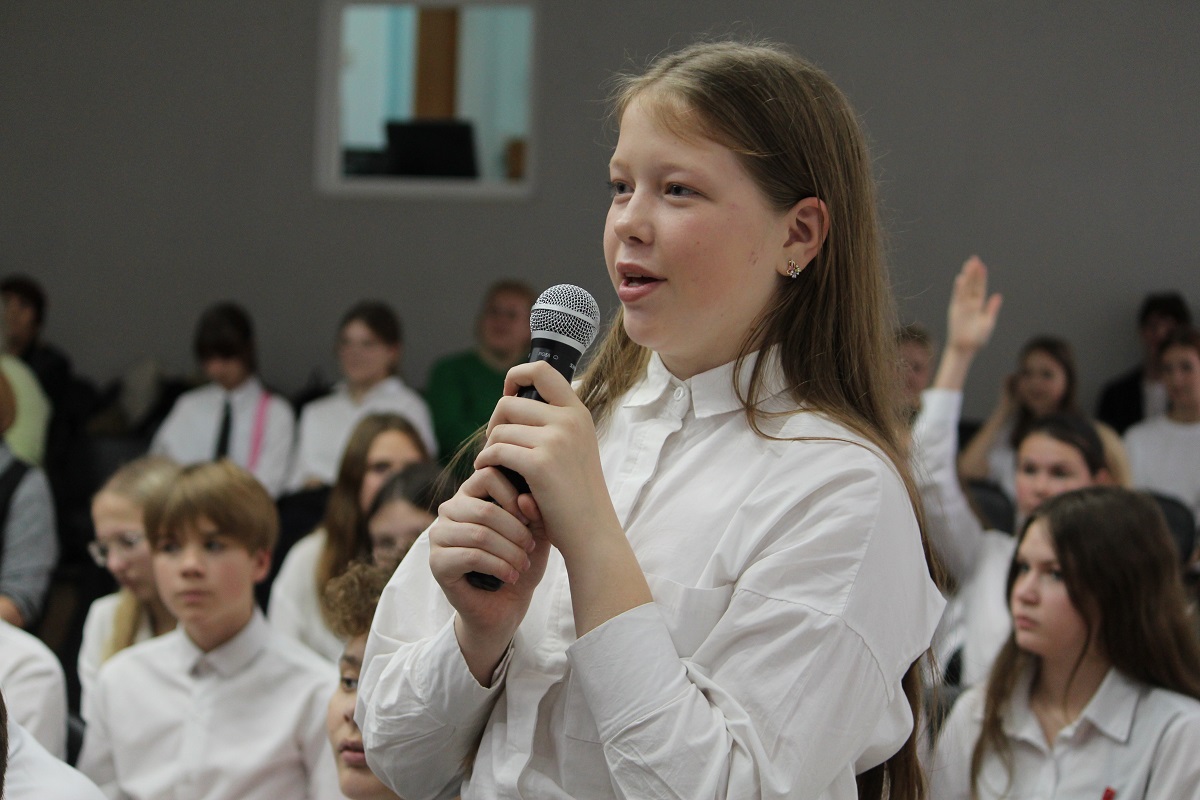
(628, 668)
(446, 682)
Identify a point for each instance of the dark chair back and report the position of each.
(992, 504)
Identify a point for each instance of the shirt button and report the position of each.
(680, 392)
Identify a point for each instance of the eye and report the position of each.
(214, 545)
(616, 187)
(349, 683)
(1021, 567)
(168, 546)
(678, 190)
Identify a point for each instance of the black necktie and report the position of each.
(223, 432)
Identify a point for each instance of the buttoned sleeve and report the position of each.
(796, 686)
(418, 703)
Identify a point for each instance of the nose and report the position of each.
(631, 221)
(1025, 588)
(115, 560)
(191, 559)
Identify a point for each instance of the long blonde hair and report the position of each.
(797, 137)
(138, 482)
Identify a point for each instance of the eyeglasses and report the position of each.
(124, 543)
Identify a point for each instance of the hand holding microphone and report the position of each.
(562, 323)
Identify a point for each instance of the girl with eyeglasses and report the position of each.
(134, 613)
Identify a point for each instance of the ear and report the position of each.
(261, 560)
(808, 225)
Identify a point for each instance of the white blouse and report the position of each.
(1138, 742)
(294, 609)
(34, 686)
(790, 592)
(97, 632)
(326, 425)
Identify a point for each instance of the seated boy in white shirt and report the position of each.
(220, 708)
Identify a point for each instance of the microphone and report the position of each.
(562, 324)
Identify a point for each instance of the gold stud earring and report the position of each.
(794, 269)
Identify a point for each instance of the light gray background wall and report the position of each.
(155, 157)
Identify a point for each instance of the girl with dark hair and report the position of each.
(1164, 451)
(1044, 383)
(1096, 692)
(716, 586)
(234, 416)
(380, 446)
(369, 346)
(403, 508)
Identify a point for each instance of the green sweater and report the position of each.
(462, 393)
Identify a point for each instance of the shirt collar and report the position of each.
(251, 387)
(231, 657)
(712, 392)
(1110, 710)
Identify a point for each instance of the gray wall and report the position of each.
(155, 157)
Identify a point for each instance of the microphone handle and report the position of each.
(563, 358)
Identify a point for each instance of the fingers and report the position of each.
(550, 384)
(475, 535)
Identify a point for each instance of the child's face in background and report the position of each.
(693, 249)
(364, 357)
(390, 452)
(228, 373)
(206, 579)
(355, 779)
(393, 530)
(121, 544)
(1041, 383)
(1046, 468)
(1181, 376)
(1045, 621)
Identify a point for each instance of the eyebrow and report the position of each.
(350, 661)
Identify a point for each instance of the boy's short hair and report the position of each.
(223, 493)
(29, 292)
(353, 596)
(1165, 304)
(225, 331)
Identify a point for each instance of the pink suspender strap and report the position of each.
(256, 434)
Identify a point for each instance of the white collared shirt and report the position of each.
(97, 633)
(34, 687)
(790, 596)
(245, 721)
(295, 607)
(326, 425)
(1164, 456)
(189, 433)
(1140, 742)
(34, 774)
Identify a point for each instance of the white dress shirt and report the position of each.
(1164, 456)
(326, 425)
(34, 774)
(1142, 743)
(189, 433)
(294, 609)
(790, 597)
(34, 687)
(977, 559)
(245, 721)
(97, 633)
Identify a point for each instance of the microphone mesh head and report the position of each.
(567, 311)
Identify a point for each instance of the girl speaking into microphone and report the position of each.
(716, 586)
